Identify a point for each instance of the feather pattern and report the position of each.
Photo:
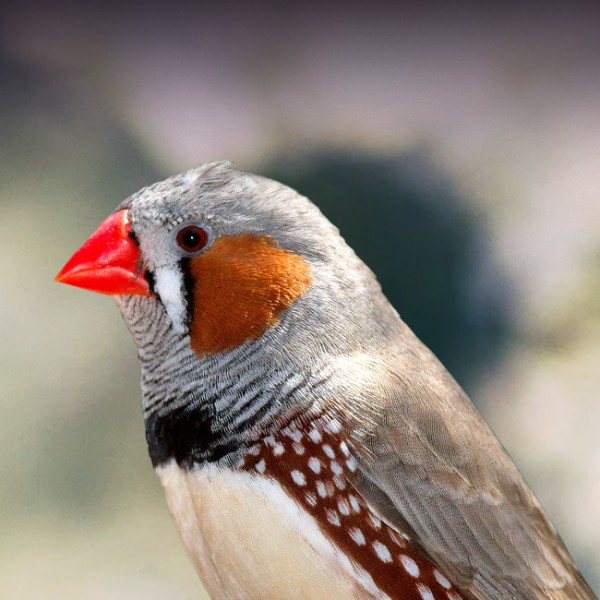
(427, 463)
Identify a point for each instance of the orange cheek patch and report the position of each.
(241, 285)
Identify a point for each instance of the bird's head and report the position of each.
(239, 294)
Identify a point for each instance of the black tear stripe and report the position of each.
(149, 277)
(188, 287)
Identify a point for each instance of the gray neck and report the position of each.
(202, 410)
(208, 410)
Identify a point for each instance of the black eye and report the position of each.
(192, 238)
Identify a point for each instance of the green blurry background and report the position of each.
(459, 155)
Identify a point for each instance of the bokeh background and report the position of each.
(459, 153)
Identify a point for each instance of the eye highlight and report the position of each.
(192, 238)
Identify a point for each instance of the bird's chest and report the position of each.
(249, 539)
(286, 523)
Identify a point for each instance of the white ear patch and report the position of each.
(168, 282)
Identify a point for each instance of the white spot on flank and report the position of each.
(441, 579)
(260, 466)
(340, 484)
(315, 436)
(296, 435)
(298, 478)
(354, 503)
(335, 467)
(328, 451)
(344, 449)
(254, 451)
(311, 498)
(382, 551)
(321, 489)
(314, 464)
(425, 592)
(333, 517)
(410, 566)
(334, 426)
(396, 538)
(278, 449)
(343, 506)
(298, 448)
(351, 464)
(357, 536)
(375, 521)
(453, 596)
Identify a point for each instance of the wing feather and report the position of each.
(431, 466)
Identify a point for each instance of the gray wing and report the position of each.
(431, 466)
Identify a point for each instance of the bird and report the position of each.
(309, 445)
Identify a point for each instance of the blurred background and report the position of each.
(458, 152)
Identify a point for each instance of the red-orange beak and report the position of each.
(109, 261)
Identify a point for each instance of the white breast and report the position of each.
(249, 539)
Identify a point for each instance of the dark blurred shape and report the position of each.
(406, 221)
